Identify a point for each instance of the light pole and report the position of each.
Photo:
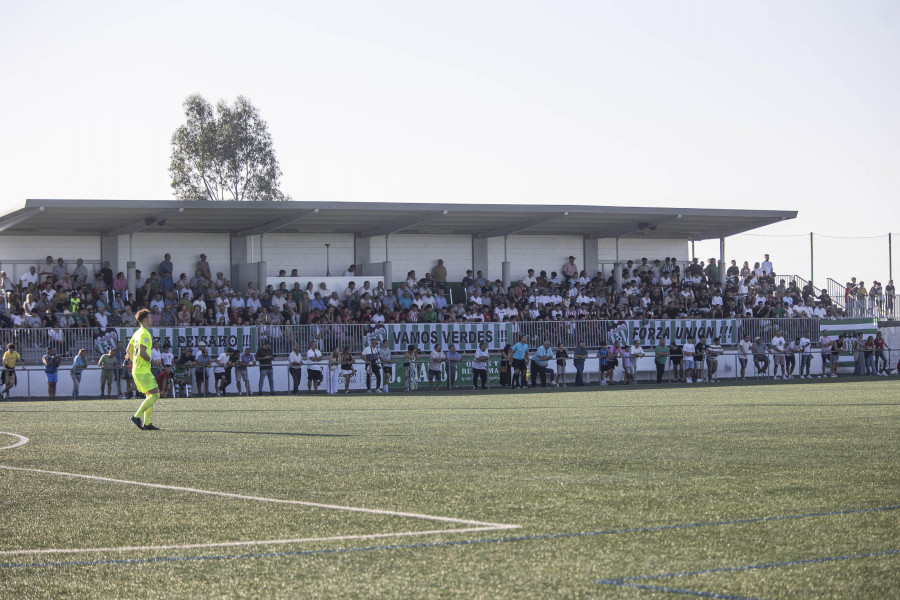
(327, 260)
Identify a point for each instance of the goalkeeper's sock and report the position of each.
(146, 407)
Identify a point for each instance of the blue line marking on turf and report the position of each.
(667, 590)
(525, 538)
(626, 581)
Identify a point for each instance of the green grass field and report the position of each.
(607, 492)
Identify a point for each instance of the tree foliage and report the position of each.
(224, 153)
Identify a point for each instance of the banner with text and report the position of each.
(673, 330)
(216, 339)
(465, 336)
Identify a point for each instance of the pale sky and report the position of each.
(771, 104)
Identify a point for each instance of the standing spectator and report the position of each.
(165, 266)
(858, 347)
(825, 346)
(264, 357)
(29, 278)
(106, 274)
(80, 274)
(676, 355)
(790, 357)
(387, 365)
(295, 368)
(869, 352)
(346, 368)
(479, 366)
(713, 351)
(689, 350)
(409, 362)
(201, 371)
(51, 362)
(373, 369)
(434, 367)
(109, 370)
(805, 357)
(439, 273)
(314, 369)
(889, 296)
(605, 365)
(744, 351)
(779, 349)
(505, 367)
(79, 364)
(59, 271)
(203, 267)
(881, 363)
(578, 361)
(570, 269)
(838, 347)
(661, 356)
(699, 358)
(767, 266)
(244, 362)
(627, 365)
(453, 358)
(562, 357)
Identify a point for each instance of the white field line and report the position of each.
(337, 538)
(371, 511)
(22, 440)
(477, 525)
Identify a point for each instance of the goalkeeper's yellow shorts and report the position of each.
(144, 382)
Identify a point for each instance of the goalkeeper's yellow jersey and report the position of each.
(141, 337)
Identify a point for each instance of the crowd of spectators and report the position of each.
(56, 296)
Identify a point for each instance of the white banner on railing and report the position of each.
(465, 336)
(677, 330)
(216, 339)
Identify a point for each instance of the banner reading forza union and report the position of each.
(673, 330)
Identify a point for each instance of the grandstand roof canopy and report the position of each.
(120, 217)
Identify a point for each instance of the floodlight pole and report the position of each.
(327, 260)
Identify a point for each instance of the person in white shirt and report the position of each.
(370, 358)
(479, 366)
(805, 357)
(636, 352)
(314, 368)
(779, 348)
(744, 352)
(767, 266)
(278, 301)
(434, 367)
(295, 368)
(689, 349)
(529, 279)
(29, 277)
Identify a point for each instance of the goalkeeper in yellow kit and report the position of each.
(138, 352)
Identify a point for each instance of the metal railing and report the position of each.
(883, 306)
(33, 343)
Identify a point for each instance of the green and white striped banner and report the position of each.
(849, 328)
(217, 339)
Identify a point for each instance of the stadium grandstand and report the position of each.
(74, 272)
